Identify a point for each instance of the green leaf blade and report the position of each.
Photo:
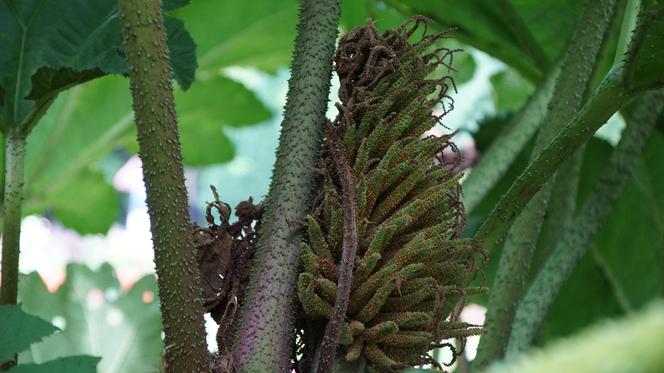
(73, 40)
(20, 330)
(263, 40)
(99, 318)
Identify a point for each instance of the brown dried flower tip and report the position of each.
(224, 252)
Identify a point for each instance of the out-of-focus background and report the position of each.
(86, 246)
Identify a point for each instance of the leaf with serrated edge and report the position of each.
(74, 40)
(20, 330)
(100, 318)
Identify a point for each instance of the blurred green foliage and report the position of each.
(221, 116)
(21, 330)
(624, 270)
(629, 344)
(97, 317)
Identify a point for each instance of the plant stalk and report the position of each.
(503, 151)
(578, 64)
(577, 239)
(13, 199)
(265, 329)
(609, 97)
(148, 59)
(561, 207)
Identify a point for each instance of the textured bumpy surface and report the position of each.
(384, 259)
(265, 324)
(144, 40)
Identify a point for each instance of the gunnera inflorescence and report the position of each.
(388, 208)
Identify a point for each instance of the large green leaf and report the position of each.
(355, 13)
(631, 243)
(202, 103)
(89, 120)
(69, 364)
(97, 317)
(257, 33)
(67, 42)
(83, 124)
(87, 203)
(521, 35)
(86, 122)
(550, 21)
(20, 330)
(202, 118)
(623, 269)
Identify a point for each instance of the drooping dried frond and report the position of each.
(389, 206)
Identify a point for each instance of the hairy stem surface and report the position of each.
(266, 323)
(177, 273)
(577, 239)
(609, 97)
(503, 151)
(561, 207)
(578, 65)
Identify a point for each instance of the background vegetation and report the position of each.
(66, 58)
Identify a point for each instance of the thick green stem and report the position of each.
(265, 330)
(510, 279)
(561, 207)
(578, 65)
(504, 150)
(13, 198)
(605, 101)
(2, 184)
(578, 237)
(177, 273)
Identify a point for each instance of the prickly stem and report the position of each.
(148, 59)
(265, 328)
